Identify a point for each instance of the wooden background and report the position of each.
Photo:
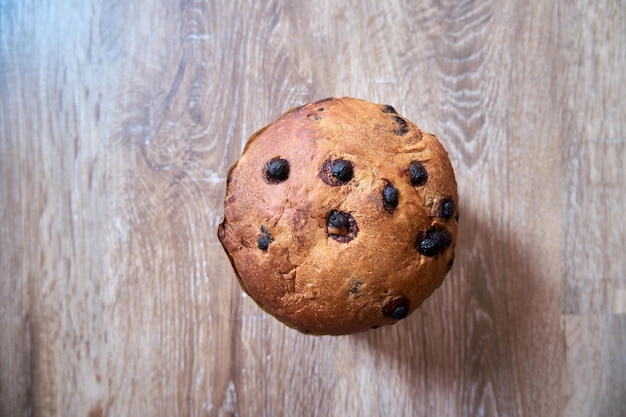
(119, 119)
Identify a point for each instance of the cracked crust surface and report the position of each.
(302, 276)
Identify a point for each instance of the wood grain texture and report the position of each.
(593, 294)
(119, 120)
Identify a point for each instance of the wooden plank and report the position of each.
(596, 365)
(593, 297)
(594, 151)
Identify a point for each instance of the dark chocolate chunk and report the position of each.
(337, 172)
(276, 170)
(445, 208)
(433, 241)
(397, 308)
(354, 288)
(450, 263)
(265, 238)
(400, 312)
(338, 220)
(442, 239)
(320, 109)
(341, 226)
(428, 247)
(324, 100)
(342, 170)
(390, 198)
(221, 231)
(402, 128)
(419, 175)
(389, 109)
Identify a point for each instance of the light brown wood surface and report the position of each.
(119, 120)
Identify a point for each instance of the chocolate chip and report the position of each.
(400, 312)
(221, 231)
(446, 208)
(337, 172)
(402, 128)
(389, 109)
(324, 100)
(433, 241)
(442, 239)
(419, 175)
(320, 109)
(354, 288)
(276, 170)
(390, 198)
(397, 308)
(342, 170)
(265, 238)
(428, 247)
(450, 263)
(341, 226)
(339, 221)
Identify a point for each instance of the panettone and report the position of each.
(340, 216)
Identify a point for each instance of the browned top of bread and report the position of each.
(340, 216)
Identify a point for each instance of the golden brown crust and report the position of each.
(331, 249)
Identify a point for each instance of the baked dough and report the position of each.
(340, 216)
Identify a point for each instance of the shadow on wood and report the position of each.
(480, 334)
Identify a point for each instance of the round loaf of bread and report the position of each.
(340, 216)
